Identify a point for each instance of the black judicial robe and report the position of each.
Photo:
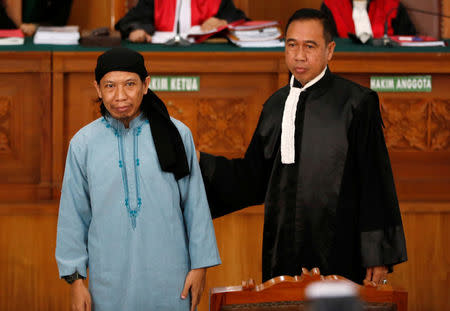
(336, 208)
(142, 16)
(46, 12)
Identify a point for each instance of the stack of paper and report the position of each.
(198, 35)
(11, 37)
(252, 25)
(64, 35)
(416, 41)
(161, 37)
(256, 34)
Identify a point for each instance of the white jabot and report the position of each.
(288, 123)
(185, 17)
(363, 28)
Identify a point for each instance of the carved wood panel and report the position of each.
(5, 132)
(406, 123)
(419, 124)
(222, 124)
(440, 125)
(21, 128)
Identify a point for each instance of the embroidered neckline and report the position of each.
(133, 213)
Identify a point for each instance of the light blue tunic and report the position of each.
(137, 228)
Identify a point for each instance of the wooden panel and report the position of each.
(275, 10)
(30, 277)
(89, 14)
(25, 152)
(239, 80)
(27, 263)
(445, 21)
(222, 117)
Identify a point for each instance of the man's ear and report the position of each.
(97, 88)
(146, 84)
(330, 50)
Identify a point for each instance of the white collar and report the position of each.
(312, 82)
(288, 123)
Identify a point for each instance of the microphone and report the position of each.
(178, 39)
(385, 40)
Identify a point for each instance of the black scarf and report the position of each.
(168, 143)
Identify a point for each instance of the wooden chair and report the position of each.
(288, 293)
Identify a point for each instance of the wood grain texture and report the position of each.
(25, 126)
(89, 14)
(30, 278)
(222, 117)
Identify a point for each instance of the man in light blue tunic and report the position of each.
(133, 206)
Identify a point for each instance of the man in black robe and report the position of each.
(148, 16)
(319, 163)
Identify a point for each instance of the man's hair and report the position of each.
(312, 14)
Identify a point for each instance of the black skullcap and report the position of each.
(120, 59)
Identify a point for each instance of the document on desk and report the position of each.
(60, 35)
(417, 41)
(161, 37)
(11, 37)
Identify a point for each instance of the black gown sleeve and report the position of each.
(229, 12)
(59, 12)
(329, 15)
(47, 12)
(233, 184)
(402, 24)
(142, 16)
(381, 231)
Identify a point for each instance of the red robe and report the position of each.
(378, 11)
(201, 10)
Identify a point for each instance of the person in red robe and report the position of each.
(379, 12)
(148, 16)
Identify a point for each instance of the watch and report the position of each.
(71, 278)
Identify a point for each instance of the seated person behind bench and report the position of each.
(148, 16)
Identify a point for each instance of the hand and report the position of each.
(28, 29)
(81, 299)
(213, 23)
(195, 282)
(139, 35)
(375, 275)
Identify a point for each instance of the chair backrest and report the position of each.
(288, 293)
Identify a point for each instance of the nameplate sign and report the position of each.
(401, 84)
(174, 84)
